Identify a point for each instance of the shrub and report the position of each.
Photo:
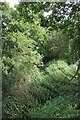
(61, 107)
(18, 52)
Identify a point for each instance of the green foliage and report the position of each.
(61, 68)
(18, 51)
(52, 94)
(61, 107)
(56, 46)
(28, 10)
(56, 79)
(65, 17)
(18, 106)
(30, 87)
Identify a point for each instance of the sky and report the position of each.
(12, 2)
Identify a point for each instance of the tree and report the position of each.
(65, 16)
(18, 51)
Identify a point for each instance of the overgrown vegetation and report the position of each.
(41, 60)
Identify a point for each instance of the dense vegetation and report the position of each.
(41, 60)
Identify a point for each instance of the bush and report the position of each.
(18, 52)
(50, 94)
(18, 105)
(56, 46)
(61, 107)
(54, 82)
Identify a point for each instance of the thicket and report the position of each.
(40, 60)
